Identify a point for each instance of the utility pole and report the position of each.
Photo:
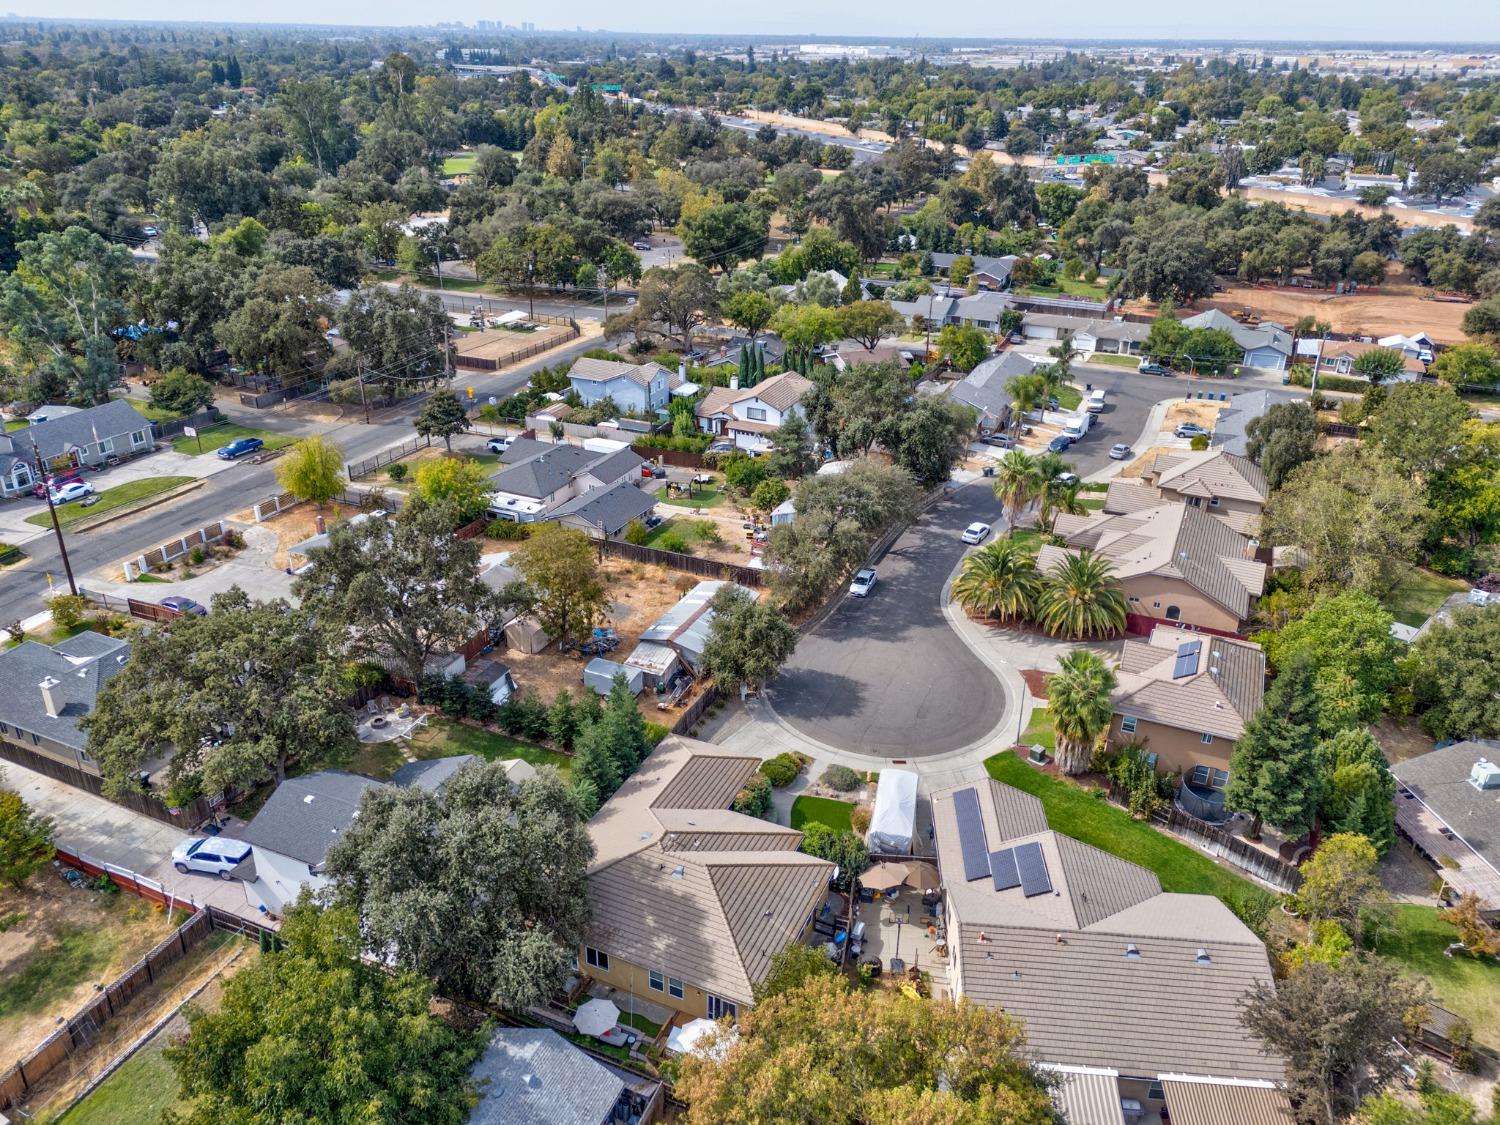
(530, 291)
(604, 291)
(41, 475)
(447, 351)
(363, 401)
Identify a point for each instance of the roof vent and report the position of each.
(679, 871)
(1133, 952)
(1485, 775)
(532, 1082)
(307, 800)
(1203, 958)
(1015, 974)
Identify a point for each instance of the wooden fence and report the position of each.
(696, 710)
(1247, 857)
(680, 458)
(173, 549)
(688, 564)
(185, 818)
(473, 529)
(83, 1029)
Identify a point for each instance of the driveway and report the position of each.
(886, 675)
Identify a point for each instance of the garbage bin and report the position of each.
(989, 470)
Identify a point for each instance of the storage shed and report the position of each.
(894, 818)
(600, 674)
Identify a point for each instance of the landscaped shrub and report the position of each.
(841, 778)
(675, 541)
(655, 732)
(196, 556)
(637, 532)
(781, 770)
(755, 798)
(508, 530)
(396, 471)
(859, 819)
(68, 610)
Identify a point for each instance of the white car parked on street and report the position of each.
(863, 583)
(976, 532)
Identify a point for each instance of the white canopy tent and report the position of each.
(895, 816)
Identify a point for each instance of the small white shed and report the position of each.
(894, 818)
(600, 674)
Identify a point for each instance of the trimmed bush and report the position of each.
(755, 798)
(841, 778)
(781, 770)
(396, 470)
(859, 819)
(508, 530)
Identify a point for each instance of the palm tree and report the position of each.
(1059, 499)
(1017, 483)
(1027, 392)
(999, 581)
(1082, 598)
(1079, 699)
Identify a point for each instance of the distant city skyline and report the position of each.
(1455, 23)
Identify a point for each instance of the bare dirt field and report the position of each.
(1201, 413)
(59, 944)
(1138, 467)
(296, 524)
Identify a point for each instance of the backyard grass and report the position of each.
(75, 953)
(1069, 396)
(691, 530)
(153, 413)
(109, 499)
(1091, 503)
(1089, 817)
(1419, 594)
(54, 635)
(709, 497)
(376, 759)
(1065, 287)
(16, 424)
(443, 738)
(640, 1023)
(136, 1094)
(459, 164)
(220, 436)
(1464, 985)
(821, 810)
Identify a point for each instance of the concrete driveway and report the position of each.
(886, 675)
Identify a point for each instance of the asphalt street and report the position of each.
(885, 674)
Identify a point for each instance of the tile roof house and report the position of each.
(1178, 565)
(537, 478)
(1448, 805)
(1188, 697)
(66, 441)
(533, 1076)
(691, 900)
(1267, 345)
(637, 388)
(44, 691)
(1104, 968)
(1226, 485)
(750, 415)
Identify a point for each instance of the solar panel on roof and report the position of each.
(971, 835)
(1187, 659)
(1003, 868)
(1032, 866)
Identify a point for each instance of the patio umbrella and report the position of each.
(923, 876)
(596, 1017)
(884, 877)
(683, 1039)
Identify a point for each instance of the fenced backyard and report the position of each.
(687, 564)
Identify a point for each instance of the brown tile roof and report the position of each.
(781, 392)
(1210, 472)
(683, 884)
(1175, 541)
(1059, 961)
(1124, 496)
(1220, 695)
(1195, 1102)
(717, 401)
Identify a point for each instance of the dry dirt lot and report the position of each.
(296, 524)
(1202, 412)
(60, 943)
(1138, 467)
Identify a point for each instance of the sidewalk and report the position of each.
(254, 570)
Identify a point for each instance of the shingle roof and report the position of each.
(780, 392)
(937, 309)
(1440, 779)
(307, 815)
(1230, 428)
(1173, 540)
(590, 370)
(1265, 335)
(608, 509)
(1220, 695)
(432, 774)
(984, 387)
(533, 1076)
(81, 665)
(984, 305)
(81, 428)
(1210, 472)
(539, 469)
(681, 883)
(1092, 326)
(1059, 961)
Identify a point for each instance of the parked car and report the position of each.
(976, 532)
(1095, 402)
(694, 356)
(1189, 430)
(1001, 441)
(240, 447)
(1119, 452)
(649, 470)
(150, 232)
(182, 606)
(1053, 404)
(39, 490)
(497, 444)
(642, 244)
(1059, 444)
(721, 447)
(1147, 367)
(209, 855)
(864, 582)
(72, 490)
(1066, 479)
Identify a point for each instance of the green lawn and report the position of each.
(1462, 984)
(109, 499)
(9, 554)
(1418, 595)
(376, 759)
(1088, 816)
(1066, 287)
(153, 413)
(136, 1094)
(54, 635)
(1039, 732)
(443, 738)
(821, 810)
(709, 497)
(1130, 361)
(16, 424)
(693, 531)
(640, 1023)
(220, 436)
(1027, 537)
(1091, 503)
(459, 164)
(1069, 396)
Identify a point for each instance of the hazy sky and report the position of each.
(1453, 21)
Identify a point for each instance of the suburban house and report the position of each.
(636, 388)
(691, 900)
(536, 478)
(1448, 806)
(533, 1076)
(748, 416)
(1337, 357)
(1231, 428)
(1354, 181)
(979, 310)
(1178, 565)
(1267, 345)
(70, 440)
(933, 308)
(676, 639)
(1120, 985)
(989, 272)
(1188, 698)
(984, 387)
(1090, 334)
(1418, 345)
(44, 691)
(605, 513)
(1225, 485)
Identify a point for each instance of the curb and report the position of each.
(127, 510)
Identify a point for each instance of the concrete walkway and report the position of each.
(253, 569)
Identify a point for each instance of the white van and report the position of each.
(1076, 426)
(1095, 404)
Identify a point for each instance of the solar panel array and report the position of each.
(1032, 866)
(1003, 868)
(1187, 659)
(971, 835)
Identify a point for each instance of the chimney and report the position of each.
(682, 370)
(734, 382)
(52, 700)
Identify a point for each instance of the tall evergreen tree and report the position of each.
(232, 71)
(1274, 772)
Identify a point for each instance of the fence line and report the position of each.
(680, 458)
(273, 506)
(1269, 868)
(364, 468)
(184, 818)
(209, 419)
(174, 549)
(688, 564)
(696, 709)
